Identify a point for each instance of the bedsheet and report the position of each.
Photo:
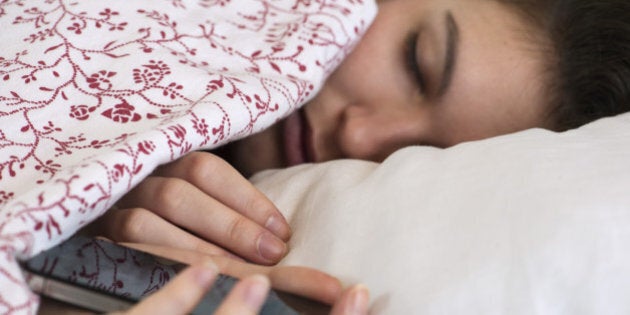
(95, 94)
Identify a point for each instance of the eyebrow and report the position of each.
(452, 44)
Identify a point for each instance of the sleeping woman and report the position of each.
(431, 72)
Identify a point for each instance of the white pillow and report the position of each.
(529, 223)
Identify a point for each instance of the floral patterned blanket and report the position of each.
(95, 94)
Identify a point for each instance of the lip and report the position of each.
(297, 138)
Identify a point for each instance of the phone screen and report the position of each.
(102, 276)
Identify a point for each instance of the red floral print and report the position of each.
(100, 80)
(122, 113)
(81, 112)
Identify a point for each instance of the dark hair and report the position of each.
(589, 57)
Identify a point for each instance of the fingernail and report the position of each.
(205, 275)
(270, 247)
(278, 227)
(359, 299)
(209, 264)
(256, 292)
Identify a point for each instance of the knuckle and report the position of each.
(203, 165)
(170, 193)
(131, 225)
(236, 229)
(259, 206)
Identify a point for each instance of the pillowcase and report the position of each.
(529, 223)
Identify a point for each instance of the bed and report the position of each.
(94, 95)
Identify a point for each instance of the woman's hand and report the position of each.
(200, 203)
(185, 291)
(300, 281)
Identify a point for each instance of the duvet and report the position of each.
(95, 94)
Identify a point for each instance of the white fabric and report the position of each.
(530, 223)
(95, 94)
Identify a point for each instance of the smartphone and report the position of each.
(101, 276)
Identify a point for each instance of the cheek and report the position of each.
(373, 134)
(258, 152)
(487, 110)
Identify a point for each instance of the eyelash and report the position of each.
(412, 62)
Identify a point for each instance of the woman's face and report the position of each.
(427, 72)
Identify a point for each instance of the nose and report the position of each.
(373, 132)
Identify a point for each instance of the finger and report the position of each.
(183, 256)
(246, 297)
(143, 226)
(301, 281)
(353, 301)
(181, 295)
(217, 178)
(183, 204)
(306, 282)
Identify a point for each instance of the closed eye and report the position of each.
(411, 60)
